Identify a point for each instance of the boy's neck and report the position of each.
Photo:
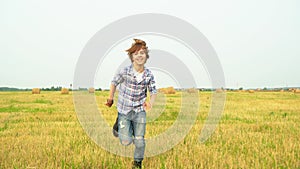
(138, 68)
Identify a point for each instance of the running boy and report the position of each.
(133, 81)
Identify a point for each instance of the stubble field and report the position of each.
(257, 130)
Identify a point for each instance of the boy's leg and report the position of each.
(139, 128)
(125, 129)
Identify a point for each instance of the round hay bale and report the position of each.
(64, 91)
(91, 90)
(171, 90)
(251, 91)
(219, 90)
(168, 90)
(291, 89)
(36, 91)
(192, 90)
(297, 91)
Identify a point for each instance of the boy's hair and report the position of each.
(136, 46)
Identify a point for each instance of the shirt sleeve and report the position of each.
(118, 78)
(152, 86)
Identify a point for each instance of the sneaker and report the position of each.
(116, 128)
(136, 164)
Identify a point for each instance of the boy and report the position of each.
(133, 82)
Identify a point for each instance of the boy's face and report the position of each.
(139, 57)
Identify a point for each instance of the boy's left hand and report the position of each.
(147, 106)
(109, 102)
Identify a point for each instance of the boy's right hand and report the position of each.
(109, 102)
(147, 106)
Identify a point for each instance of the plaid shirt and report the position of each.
(133, 94)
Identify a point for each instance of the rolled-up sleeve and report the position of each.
(118, 78)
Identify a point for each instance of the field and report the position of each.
(257, 130)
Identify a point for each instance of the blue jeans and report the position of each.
(132, 129)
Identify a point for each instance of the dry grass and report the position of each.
(257, 130)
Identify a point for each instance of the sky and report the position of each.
(257, 42)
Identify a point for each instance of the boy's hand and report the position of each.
(109, 102)
(147, 106)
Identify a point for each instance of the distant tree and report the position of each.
(241, 88)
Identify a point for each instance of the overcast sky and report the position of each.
(257, 42)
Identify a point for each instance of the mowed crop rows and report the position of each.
(257, 130)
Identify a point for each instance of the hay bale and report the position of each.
(219, 90)
(291, 89)
(297, 91)
(36, 91)
(191, 90)
(168, 90)
(91, 90)
(251, 91)
(171, 90)
(64, 91)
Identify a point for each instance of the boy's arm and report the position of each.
(112, 91)
(152, 99)
(153, 93)
(118, 78)
(110, 100)
(148, 105)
